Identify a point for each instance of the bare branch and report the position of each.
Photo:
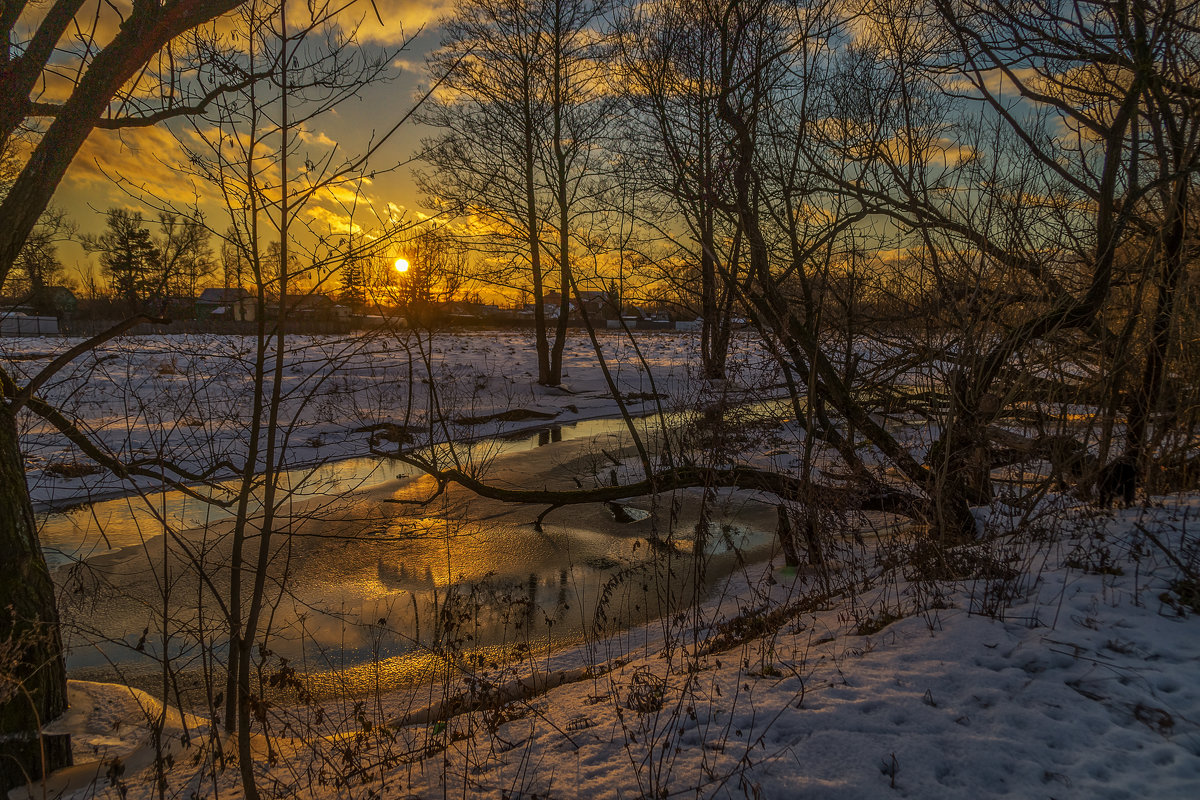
(874, 498)
(21, 397)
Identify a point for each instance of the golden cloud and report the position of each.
(335, 223)
(315, 138)
(401, 19)
(143, 159)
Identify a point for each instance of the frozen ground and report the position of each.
(1060, 663)
(186, 399)
(1054, 660)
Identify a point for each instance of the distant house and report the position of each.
(316, 306)
(598, 304)
(225, 304)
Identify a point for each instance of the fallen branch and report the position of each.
(875, 498)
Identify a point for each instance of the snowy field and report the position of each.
(1058, 658)
(1069, 673)
(186, 399)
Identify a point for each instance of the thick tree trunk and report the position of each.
(564, 276)
(1144, 401)
(533, 238)
(33, 676)
(559, 104)
(786, 533)
(142, 34)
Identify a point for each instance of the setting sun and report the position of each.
(401, 265)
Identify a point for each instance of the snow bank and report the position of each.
(1063, 665)
(188, 397)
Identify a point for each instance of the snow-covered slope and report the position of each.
(1061, 662)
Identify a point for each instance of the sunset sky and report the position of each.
(146, 158)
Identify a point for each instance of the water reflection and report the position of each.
(407, 604)
(94, 528)
(397, 591)
(550, 435)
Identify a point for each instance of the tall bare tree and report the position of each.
(670, 58)
(126, 81)
(521, 108)
(492, 112)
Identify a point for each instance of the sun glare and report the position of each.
(401, 265)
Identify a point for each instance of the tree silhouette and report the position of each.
(40, 134)
(128, 257)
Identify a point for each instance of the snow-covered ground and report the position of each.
(1059, 662)
(188, 398)
(1058, 658)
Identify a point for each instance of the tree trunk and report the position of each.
(1145, 399)
(713, 329)
(533, 238)
(786, 533)
(558, 109)
(564, 268)
(33, 675)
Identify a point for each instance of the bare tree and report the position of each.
(676, 145)
(184, 254)
(38, 268)
(522, 107)
(492, 110)
(48, 134)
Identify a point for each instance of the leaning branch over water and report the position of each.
(785, 487)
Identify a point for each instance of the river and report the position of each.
(365, 585)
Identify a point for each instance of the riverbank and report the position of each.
(1068, 674)
(183, 399)
(360, 578)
